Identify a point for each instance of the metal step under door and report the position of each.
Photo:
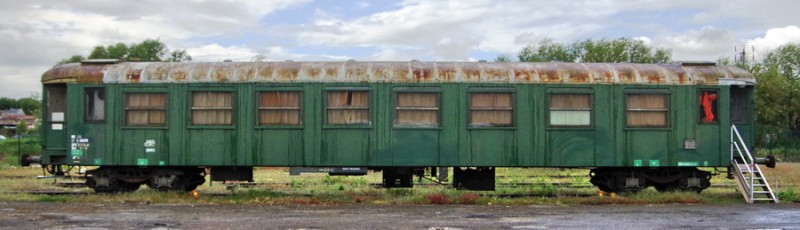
(749, 177)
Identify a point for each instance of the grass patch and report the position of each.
(321, 189)
(10, 148)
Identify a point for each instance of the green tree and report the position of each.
(31, 106)
(603, 50)
(8, 103)
(179, 56)
(98, 52)
(22, 128)
(117, 51)
(619, 50)
(786, 60)
(73, 59)
(147, 50)
(778, 89)
(547, 50)
(503, 58)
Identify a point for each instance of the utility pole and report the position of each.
(744, 54)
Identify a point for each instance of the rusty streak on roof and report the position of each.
(397, 72)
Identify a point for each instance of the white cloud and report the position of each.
(34, 35)
(773, 39)
(216, 53)
(706, 44)
(465, 25)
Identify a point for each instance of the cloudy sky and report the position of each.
(35, 34)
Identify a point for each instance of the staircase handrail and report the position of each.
(748, 160)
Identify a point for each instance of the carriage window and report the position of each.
(417, 110)
(740, 105)
(570, 110)
(279, 108)
(212, 108)
(708, 106)
(647, 110)
(94, 104)
(348, 107)
(490, 109)
(56, 102)
(145, 109)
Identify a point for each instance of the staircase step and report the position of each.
(763, 199)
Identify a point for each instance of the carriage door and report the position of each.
(415, 130)
(55, 133)
(742, 112)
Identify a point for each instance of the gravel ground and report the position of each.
(21, 215)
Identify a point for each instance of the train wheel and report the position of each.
(104, 181)
(697, 181)
(128, 187)
(666, 187)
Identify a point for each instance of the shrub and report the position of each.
(437, 198)
(788, 195)
(469, 198)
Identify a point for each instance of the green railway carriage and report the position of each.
(164, 124)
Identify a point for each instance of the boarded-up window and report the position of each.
(279, 108)
(145, 109)
(570, 110)
(490, 109)
(647, 110)
(708, 106)
(417, 110)
(212, 108)
(348, 108)
(94, 104)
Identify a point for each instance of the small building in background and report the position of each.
(11, 112)
(11, 117)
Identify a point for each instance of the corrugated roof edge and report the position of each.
(399, 72)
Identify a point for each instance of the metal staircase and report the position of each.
(748, 174)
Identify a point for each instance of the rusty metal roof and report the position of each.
(399, 72)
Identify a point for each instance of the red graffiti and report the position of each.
(706, 100)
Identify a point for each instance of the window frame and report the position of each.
(715, 105)
(407, 89)
(510, 90)
(124, 121)
(568, 91)
(86, 105)
(301, 107)
(190, 109)
(648, 91)
(749, 112)
(370, 105)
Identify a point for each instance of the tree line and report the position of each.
(30, 105)
(149, 50)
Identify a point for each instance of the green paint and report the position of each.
(689, 163)
(76, 152)
(142, 162)
(530, 143)
(98, 161)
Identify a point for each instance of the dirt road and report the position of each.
(20, 215)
